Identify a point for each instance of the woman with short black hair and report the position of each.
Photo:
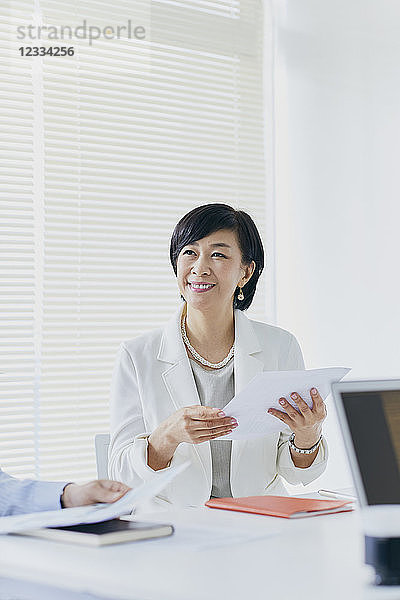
(204, 220)
(170, 385)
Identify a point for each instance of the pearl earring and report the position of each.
(240, 294)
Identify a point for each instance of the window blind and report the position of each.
(17, 265)
(130, 135)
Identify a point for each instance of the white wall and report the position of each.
(337, 123)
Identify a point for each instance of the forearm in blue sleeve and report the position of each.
(24, 496)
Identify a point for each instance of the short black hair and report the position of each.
(209, 218)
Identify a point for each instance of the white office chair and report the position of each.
(102, 442)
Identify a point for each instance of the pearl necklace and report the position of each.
(197, 356)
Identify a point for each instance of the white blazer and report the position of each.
(153, 378)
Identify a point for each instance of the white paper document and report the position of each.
(93, 513)
(197, 539)
(249, 407)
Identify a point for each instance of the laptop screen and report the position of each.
(373, 418)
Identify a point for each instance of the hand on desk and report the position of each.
(100, 490)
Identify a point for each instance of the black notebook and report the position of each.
(114, 531)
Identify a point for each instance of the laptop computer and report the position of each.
(369, 417)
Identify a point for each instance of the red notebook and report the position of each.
(281, 506)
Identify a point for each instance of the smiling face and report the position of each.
(209, 271)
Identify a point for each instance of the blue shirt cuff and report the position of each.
(46, 495)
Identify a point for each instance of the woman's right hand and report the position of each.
(197, 424)
(192, 424)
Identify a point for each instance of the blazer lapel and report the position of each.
(248, 352)
(248, 364)
(178, 376)
(179, 381)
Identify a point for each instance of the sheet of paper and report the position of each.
(93, 513)
(193, 532)
(194, 538)
(250, 406)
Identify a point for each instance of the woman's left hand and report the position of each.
(306, 423)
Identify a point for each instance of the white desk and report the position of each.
(311, 559)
